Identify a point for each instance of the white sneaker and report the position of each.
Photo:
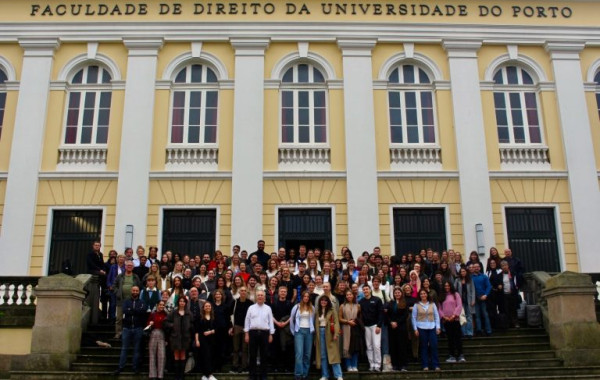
(340, 378)
(204, 378)
(323, 378)
(211, 377)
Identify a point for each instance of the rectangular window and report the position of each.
(411, 117)
(189, 231)
(517, 118)
(2, 108)
(194, 117)
(303, 117)
(88, 117)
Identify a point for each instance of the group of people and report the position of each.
(282, 311)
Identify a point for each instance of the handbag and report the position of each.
(462, 318)
(331, 325)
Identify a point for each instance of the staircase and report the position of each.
(523, 354)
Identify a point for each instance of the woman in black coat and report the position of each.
(205, 340)
(180, 326)
(397, 315)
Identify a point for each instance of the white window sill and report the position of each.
(81, 158)
(310, 157)
(192, 158)
(417, 157)
(524, 157)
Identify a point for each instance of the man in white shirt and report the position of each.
(259, 330)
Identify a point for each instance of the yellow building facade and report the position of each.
(197, 125)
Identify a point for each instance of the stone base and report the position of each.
(576, 343)
(579, 357)
(39, 362)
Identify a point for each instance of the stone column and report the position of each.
(579, 150)
(56, 334)
(136, 141)
(572, 325)
(26, 155)
(248, 125)
(361, 160)
(474, 179)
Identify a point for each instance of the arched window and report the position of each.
(3, 79)
(515, 100)
(88, 111)
(596, 80)
(194, 106)
(411, 109)
(303, 105)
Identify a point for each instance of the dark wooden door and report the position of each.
(190, 232)
(416, 229)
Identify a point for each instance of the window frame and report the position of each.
(417, 88)
(3, 96)
(311, 88)
(83, 89)
(187, 88)
(506, 89)
(596, 92)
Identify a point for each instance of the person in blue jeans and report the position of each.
(328, 332)
(302, 327)
(426, 324)
(483, 287)
(134, 320)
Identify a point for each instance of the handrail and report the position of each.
(17, 301)
(535, 284)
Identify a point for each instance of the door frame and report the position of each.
(446, 209)
(557, 228)
(161, 217)
(305, 206)
(49, 222)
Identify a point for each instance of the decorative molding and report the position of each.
(304, 158)
(143, 46)
(520, 59)
(304, 174)
(3, 175)
(513, 51)
(84, 59)
(356, 47)
(524, 174)
(9, 70)
(434, 174)
(81, 158)
(250, 47)
(319, 61)
(303, 49)
(416, 158)
(12, 85)
(84, 174)
(462, 48)
(92, 49)
(521, 157)
(564, 50)
(183, 59)
(594, 67)
(191, 158)
(196, 47)
(39, 47)
(187, 175)
(431, 68)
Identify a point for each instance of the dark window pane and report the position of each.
(396, 134)
(212, 99)
(394, 99)
(411, 117)
(501, 117)
(210, 135)
(210, 117)
(287, 116)
(303, 73)
(179, 99)
(105, 99)
(413, 134)
(526, 77)
(71, 135)
(498, 77)
(92, 76)
(320, 116)
(288, 77)
(90, 99)
(196, 73)
(303, 99)
(193, 134)
(74, 99)
(1, 116)
(319, 98)
(428, 135)
(517, 117)
(426, 99)
(519, 134)
(177, 116)
(88, 117)
(303, 118)
(394, 76)
(103, 117)
(530, 100)
(101, 135)
(511, 75)
(77, 78)
(534, 135)
(598, 103)
(395, 117)
(86, 135)
(73, 117)
(411, 99)
(105, 76)
(317, 76)
(177, 134)
(180, 78)
(195, 98)
(597, 77)
(503, 137)
(427, 116)
(532, 117)
(287, 134)
(287, 99)
(409, 73)
(423, 78)
(303, 134)
(515, 100)
(320, 134)
(499, 101)
(194, 116)
(211, 77)
(3, 77)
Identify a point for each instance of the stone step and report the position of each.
(532, 373)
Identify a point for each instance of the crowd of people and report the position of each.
(280, 312)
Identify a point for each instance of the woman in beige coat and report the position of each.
(327, 327)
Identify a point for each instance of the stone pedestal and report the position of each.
(56, 334)
(573, 328)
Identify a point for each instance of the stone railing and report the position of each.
(17, 301)
(84, 158)
(192, 158)
(524, 157)
(304, 158)
(416, 157)
(535, 283)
